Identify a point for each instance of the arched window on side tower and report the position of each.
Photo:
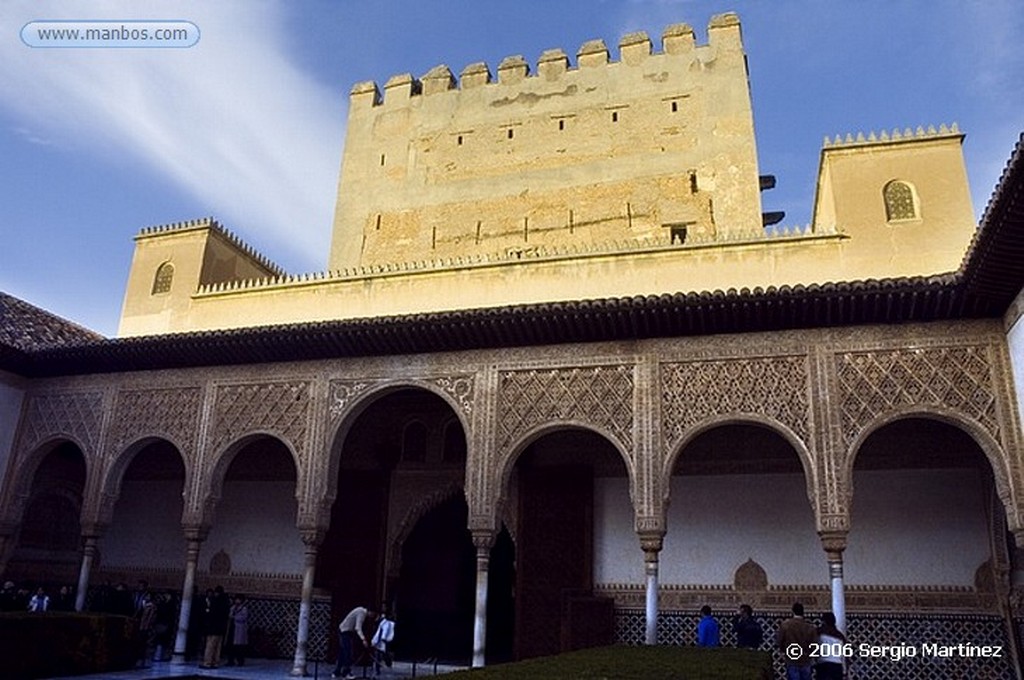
(164, 277)
(900, 201)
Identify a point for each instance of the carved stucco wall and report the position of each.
(823, 390)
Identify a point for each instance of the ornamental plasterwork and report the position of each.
(460, 389)
(279, 407)
(599, 395)
(171, 412)
(342, 394)
(695, 391)
(872, 383)
(77, 414)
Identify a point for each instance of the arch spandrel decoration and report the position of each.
(457, 390)
(698, 391)
(169, 413)
(951, 384)
(872, 383)
(78, 414)
(601, 396)
(281, 408)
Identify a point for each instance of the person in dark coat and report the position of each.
(747, 629)
(217, 610)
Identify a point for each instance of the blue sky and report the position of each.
(248, 125)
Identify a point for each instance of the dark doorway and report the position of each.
(501, 601)
(436, 596)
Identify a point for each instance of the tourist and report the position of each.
(351, 628)
(380, 642)
(238, 631)
(831, 660)
(707, 630)
(216, 608)
(747, 629)
(795, 638)
(40, 602)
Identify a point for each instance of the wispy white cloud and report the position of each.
(232, 121)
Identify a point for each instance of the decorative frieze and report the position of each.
(278, 407)
(172, 413)
(875, 382)
(75, 414)
(599, 395)
(697, 391)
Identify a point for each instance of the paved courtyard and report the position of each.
(264, 669)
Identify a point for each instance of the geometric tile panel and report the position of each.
(277, 620)
(680, 628)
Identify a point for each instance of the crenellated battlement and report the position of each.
(634, 49)
(885, 137)
(211, 224)
(776, 235)
(566, 150)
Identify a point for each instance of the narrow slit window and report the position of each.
(615, 116)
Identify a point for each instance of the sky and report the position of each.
(248, 124)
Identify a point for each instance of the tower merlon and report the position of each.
(513, 70)
(438, 79)
(724, 31)
(592, 53)
(400, 88)
(364, 94)
(634, 48)
(552, 64)
(678, 39)
(475, 75)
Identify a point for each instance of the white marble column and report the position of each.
(483, 542)
(194, 538)
(651, 542)
(834, 544)
(312, 540)
(835, 572)
(89, 549)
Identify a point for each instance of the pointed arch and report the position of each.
(113, 476)
(506, 461)
(19, 486)
(213, 480)
(360, 396)
(799, 447)
(994, 454)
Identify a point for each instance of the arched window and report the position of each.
(414, 442)
(164, 277)
(900, 201)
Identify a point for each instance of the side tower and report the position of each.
(654, 146)
(901, 197)
(171, 262)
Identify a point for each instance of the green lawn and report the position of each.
(639, 663)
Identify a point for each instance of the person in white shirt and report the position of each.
(40, 602)
(381, 639)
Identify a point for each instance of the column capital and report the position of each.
(483, 539)
(93, 530)
(834, 543)
(651, 542)
(312, 537)
(196, 532)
